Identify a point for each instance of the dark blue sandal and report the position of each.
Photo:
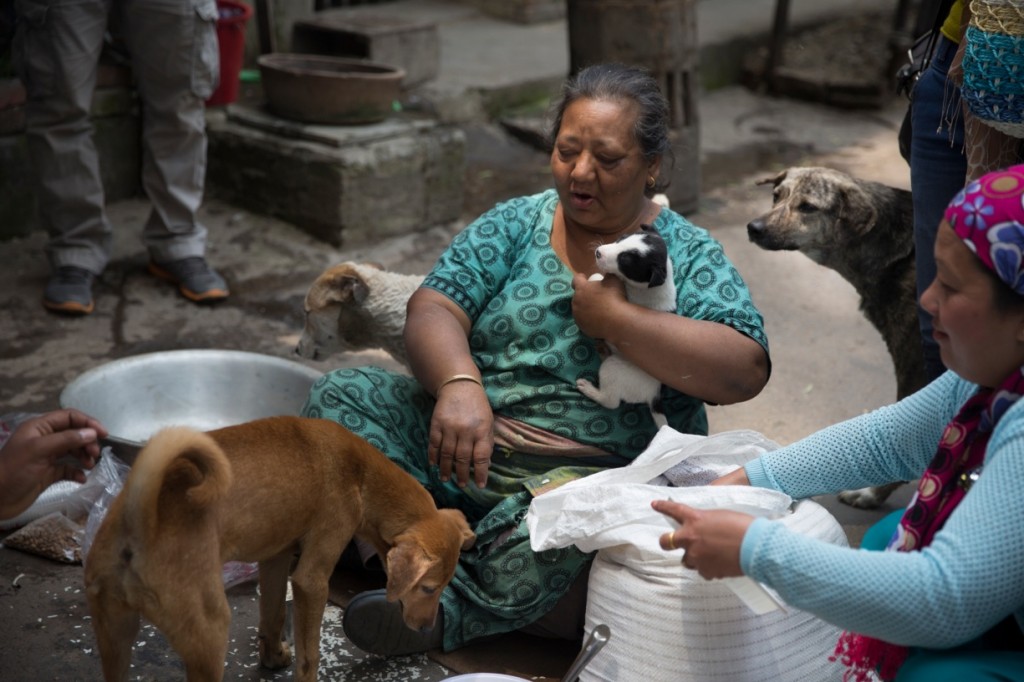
(375, 625)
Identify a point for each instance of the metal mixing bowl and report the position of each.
(206, 389)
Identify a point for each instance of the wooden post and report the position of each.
(265, 23)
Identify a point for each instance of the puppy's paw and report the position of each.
(863, 498)
(869, 498)
(275, 657)
(588, 389)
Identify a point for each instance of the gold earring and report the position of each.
(651, 181)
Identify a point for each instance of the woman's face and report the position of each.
(977, 340)
(598, 166)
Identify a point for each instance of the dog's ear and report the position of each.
(857, 210)
(659, 271)
(658, 276)
(406, 564)
(468, 539)
(774, 180)
(345, 287)
(468, 536)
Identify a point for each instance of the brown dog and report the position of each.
(864, 231)
(355, 306)
(267, 491)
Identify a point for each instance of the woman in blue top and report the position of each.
(947, 601)
(499, 333)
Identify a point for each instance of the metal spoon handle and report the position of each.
(595, 642)
(125, 450)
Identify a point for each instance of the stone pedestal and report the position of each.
(379, 37)
(522, 11)
(347, 185)
(660, 35)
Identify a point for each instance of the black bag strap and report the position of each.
(941, 12)
(934, 12)
(920, 53)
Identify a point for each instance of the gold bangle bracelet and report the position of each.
(458, 377)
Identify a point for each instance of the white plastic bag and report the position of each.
(109, 475)
(669, 624)
(612, 508)
(107, 479)
(58, 497)
(70, 498)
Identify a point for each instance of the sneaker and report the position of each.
(69, 291)
(375, 625)
(195, 279)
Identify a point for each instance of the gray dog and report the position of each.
(864, 231)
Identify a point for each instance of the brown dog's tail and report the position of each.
(180, 471)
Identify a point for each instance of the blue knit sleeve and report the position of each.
(969, 578)
(893, 443)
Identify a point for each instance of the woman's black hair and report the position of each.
(631, 83)
(1004, 297)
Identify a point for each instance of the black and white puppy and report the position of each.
(641, 261)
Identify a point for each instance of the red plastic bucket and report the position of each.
(231, 20)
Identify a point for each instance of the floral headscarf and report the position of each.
(988, 215)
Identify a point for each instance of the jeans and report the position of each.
(938, 168)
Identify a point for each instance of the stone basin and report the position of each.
(328, 90)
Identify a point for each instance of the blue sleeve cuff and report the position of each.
(756, 474)
(755, 532)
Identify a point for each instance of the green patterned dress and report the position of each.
(503, 272)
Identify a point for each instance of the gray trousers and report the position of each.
(175, 64)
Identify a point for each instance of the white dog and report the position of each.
(355, 306)
(641, 261)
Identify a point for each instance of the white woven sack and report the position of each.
(668, 624)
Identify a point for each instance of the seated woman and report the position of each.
(947, 601)
(497, 337)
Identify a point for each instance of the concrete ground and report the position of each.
(828, 362)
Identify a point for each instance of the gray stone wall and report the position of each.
(345, 185)
(521, 11)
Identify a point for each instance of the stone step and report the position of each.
(409, 44)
